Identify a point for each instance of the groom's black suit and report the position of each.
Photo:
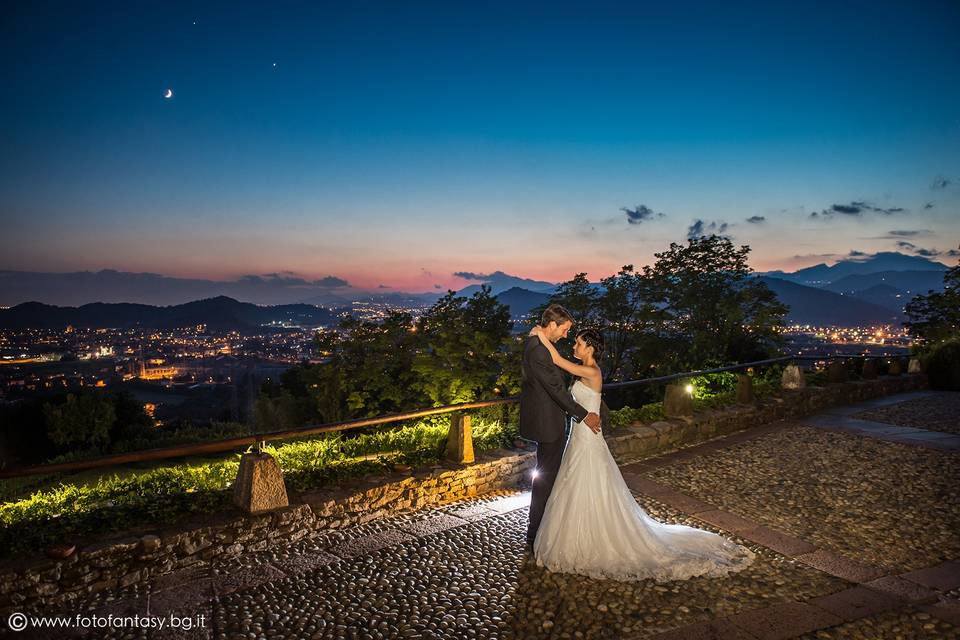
(545, 403)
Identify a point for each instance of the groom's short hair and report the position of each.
(555, 313)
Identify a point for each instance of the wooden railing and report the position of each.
(258, 439)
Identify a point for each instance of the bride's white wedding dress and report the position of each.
(592, 524)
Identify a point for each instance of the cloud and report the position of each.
(331, 282)
(939, 183)
(855, 208)
(470, 275)
(921, 251)
(756, 219)
(700, 228)
(640, 213)
(906, 233)
(953, 253)
(928, 206)
(383, 286)
(438, 286)
(276, 279)
(109, 285)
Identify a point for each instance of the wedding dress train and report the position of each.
(593, 525)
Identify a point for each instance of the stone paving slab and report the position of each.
(472, 512)
(778, 541)
(721, 629)
(296, 563)
(727, 521)
(946, 609)
(903, 589)
(371, 543)
(432, 525)
(856, 602)
(943, 577)
(841, 566)
(783, 621)
(240, 578)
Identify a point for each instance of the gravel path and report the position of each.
(883, 503)
(940, 412)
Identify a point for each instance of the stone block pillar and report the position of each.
(869, 371)
(460, 439)
(914, 366)
(793, 378)
(677, 401)
(744, 389)
(895, 368)
(837, 371)
(259, 485)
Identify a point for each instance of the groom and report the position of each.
(545, 403)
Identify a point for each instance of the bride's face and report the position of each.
(580, 349)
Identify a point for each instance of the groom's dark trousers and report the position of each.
(545, 403)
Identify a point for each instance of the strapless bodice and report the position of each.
(586, 397)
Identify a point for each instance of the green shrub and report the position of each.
(943, 366)
(628, 415)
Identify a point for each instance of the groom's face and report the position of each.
(559, 330)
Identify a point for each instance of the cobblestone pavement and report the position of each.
(887, 504)
(891, 625)
(855, 538)
(939, 412)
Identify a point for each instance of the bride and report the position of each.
(592, 525)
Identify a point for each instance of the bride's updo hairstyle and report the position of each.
(592, 338)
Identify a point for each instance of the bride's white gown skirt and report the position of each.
(593, 526)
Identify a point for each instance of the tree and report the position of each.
(461, 341)
(715, 312)
(368, 371)
(280, 412)
(83, 420)
(620, 306)
(935, 317)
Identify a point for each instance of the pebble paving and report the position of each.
(891, 625)
(938, 412)
(887, 504)
(463, 570)
(476, 580)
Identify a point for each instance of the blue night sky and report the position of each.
(397, 143)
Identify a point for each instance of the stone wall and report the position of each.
(32, 583)
(644, 440)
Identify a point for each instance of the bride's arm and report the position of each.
(579, 370)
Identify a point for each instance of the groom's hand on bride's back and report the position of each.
(593, 421)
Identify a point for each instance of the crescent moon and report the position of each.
(168, 94)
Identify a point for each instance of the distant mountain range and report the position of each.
(818, 307)
(820, 275)
(218, 314)
(499, 282)
(859, 290)
(522, 301)
(863, 291)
